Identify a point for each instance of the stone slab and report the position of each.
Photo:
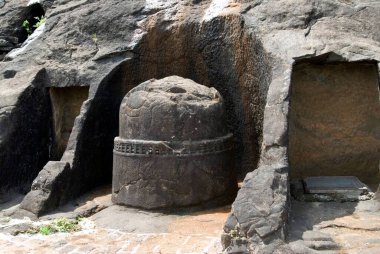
(334, 184)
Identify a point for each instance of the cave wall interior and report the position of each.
(334, 121)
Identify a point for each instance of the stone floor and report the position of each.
(115, 229)
(315, 227)
(100, 240)
(331, 227)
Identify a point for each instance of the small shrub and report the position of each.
(45, 230)
(234, 234)
(40, 21)
(26, 24)
(62, 225)
(65, 225)
(94, 38)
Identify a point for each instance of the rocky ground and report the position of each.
(315, 227)
(331, 227)
(115, 229)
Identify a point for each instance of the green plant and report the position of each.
(234, 234)
(45, 230)
(65, 225)
(94, 38)
(26, 26)
(59, 225)
(40, 20)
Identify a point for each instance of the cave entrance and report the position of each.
(334, 125)
(66, 103)
(31, 15)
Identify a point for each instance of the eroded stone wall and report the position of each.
(334, 126)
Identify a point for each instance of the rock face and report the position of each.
(13, 14)
(48, 189)
(249, 50)
(174, 148)
(262, 217)
(23, 156)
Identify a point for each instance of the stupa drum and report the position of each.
(173, 149)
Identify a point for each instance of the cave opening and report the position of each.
(31, 15)
(334, 124)
(42, 122)
(66, 103)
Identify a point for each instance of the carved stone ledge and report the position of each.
(133, 147)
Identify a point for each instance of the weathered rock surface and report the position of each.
(23, 109)
(172, 109)
(173, 149)
(260, 209)
(245, 49)
(48, 189)
(334, 227)
(13, 14)
(121, 229)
